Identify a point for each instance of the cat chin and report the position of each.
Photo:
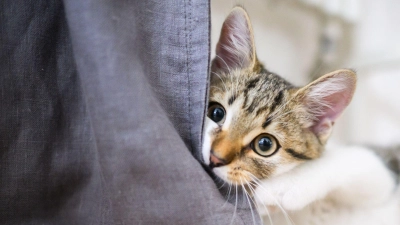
(222, 172)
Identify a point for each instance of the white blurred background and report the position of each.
(303, 39)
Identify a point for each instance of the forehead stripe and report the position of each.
(262, 109)
(231, 99)
(249, 85)
(277, 101)
(267, 122)
(252, 83)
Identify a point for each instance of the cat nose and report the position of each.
(215, 161)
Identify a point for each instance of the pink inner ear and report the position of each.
(234, 48)
(329, 98)
(337, 103)
(227, 57)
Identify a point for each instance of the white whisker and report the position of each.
(236, 201)
(247, 197)
(254, 194)
(228, 195)
(258, 182)
(222, 185)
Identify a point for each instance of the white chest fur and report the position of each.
(345, 186)
(328, 212)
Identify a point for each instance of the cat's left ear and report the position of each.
(325, 99)
(235, 48)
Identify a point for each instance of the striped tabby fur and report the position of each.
(257, 102)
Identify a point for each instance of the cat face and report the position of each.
(258, 125)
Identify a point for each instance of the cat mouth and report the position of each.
(229, 172)
(233, 175)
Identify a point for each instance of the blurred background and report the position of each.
(303, 39)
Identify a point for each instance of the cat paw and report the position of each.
(281, 194)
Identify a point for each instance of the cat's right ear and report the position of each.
(326, 98)
(235, 48)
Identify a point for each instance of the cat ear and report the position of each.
(235, 48)
(326, 98)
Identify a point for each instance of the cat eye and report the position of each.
(265, 145)
(216, 113)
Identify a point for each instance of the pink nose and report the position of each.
(215, 161)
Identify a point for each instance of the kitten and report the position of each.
(266, 135)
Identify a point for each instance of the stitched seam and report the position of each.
(188, 29)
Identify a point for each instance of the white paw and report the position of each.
(277, 193)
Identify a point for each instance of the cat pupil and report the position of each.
(218, 114)
(265, 144)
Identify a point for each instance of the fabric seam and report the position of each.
(188, 29)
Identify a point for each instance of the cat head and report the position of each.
(258, 125)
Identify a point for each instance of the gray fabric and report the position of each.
(174, 51)
(100, 106)
(49, 165)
